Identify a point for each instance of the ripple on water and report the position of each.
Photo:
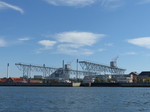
(66, 99)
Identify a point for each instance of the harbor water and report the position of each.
(74, 99)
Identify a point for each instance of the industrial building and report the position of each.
(89, 69)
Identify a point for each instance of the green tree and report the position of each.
(97, 80)
(114, 80)
(103, 80)
(135, 80)
(147, 79)
(128, 80)
(109, 80)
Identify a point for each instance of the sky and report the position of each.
(49, 31)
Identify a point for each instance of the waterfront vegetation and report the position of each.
(135, 80)
(97, 80)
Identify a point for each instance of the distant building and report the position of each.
(135, 75)
(89, 79)
(15, 80)
(38, 77)
(143, 76)
(123, 78)
(3, 80)
(109, 78)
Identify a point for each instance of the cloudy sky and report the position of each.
(49, 31)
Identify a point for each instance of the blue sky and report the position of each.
(48, 31)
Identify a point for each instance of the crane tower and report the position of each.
(113, 63)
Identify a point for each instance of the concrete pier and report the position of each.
(78, 84)
(42, 84)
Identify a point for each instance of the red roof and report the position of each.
(3, 80)
(16, 79)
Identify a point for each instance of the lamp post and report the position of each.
(7, 70)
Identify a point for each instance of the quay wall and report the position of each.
(78, 84)
(135, 85)
(42, 84)
(120, 84)
(105, 84)
(85, 85)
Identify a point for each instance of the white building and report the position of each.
(118, 78)
(123, 78)
(88, 79)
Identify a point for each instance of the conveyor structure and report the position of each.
(99, 68)
(47, 71)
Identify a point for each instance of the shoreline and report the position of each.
(77, 84)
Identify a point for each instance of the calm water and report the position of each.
(74, 99)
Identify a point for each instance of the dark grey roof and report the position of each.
(145, 73)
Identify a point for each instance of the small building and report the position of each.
(66, 81)
(15, 80)
(143, 76)
(123, 78)
(3, 80)
(35, 81)
(134, 74)
(88, 79)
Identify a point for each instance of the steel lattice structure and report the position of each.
(28, 69)
(98, 68)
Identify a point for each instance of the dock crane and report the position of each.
(68, 65)
(115, 59)
(113, 63)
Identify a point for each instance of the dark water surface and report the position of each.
(74, 99)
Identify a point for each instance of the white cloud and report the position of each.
(81, 3)
(109, 44)
(100, 50)
(24, 39)
(78, 38)
(4, 5)
(69, 46)
(2, 43)
(47, 44)
(144, 2)
(111, 4)
(64, 49)
(72, 43)
(143, 42)
(130, 53)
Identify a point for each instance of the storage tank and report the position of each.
(67, 66)
(113, 64)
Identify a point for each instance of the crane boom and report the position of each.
(115, 59)
(71, 61)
